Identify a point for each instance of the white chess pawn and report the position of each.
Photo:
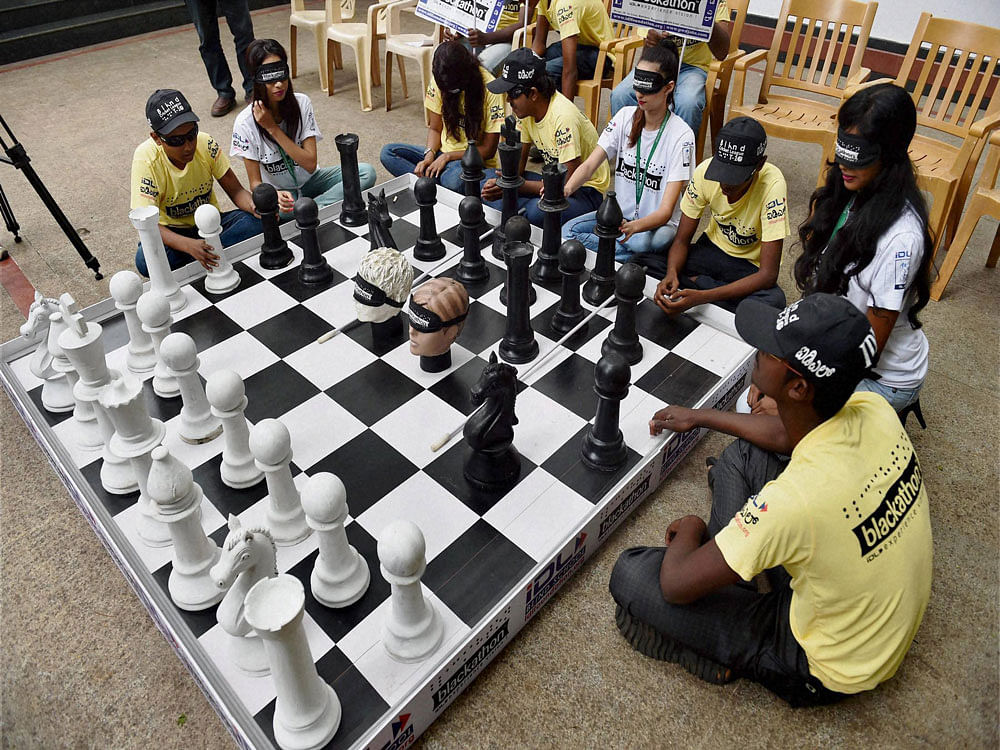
(271, 446)
(126, 288)
(197, 423)
(154, 312)
(223, 278)
(307, 711)
(136, 434)
(340, 575)
(227, 395)
(412, 629)
(146, 220)
(177, 503)
(89, 434)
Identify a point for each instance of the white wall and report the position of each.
(895, 20)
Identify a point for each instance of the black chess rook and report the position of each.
(603, 447)
(274, 253)
(572, 257)
(629, 283)
(601, 284)
(509, 180)
(553, 203)
(472, 270)
(314, 269)
(352, 209)
(429, 245)
(516, 230)
(518, 344)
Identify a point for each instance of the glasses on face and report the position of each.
(180, 140)
(783, 362)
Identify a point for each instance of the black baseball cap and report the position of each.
(521, 68)
(741, 145)
(823, 337)
(167, 110)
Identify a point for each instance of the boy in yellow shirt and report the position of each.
(175, 170)
(582, 26)
(841, 529)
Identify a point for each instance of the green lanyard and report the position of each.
(289, 165)
(640, 170)
(842, 220)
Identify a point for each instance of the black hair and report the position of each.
(885, 115)
(665, 56)
(257, 51)
(455, 67)
(545, 86)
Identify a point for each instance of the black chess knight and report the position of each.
(494, 463)
(379, 221)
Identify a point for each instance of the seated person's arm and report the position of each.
(196, 247)
(660, 216)
(693, 566)
(764, 278)
(763, 430)
(285, 199)
(491, 191)
(585, 170)
(540, 36)
(569, 71)
(487, 145)
(676, 258)
(237, 193)
(882, 322)
(433, 164)
(304, 155)
(718, 43)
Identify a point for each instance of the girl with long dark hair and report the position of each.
(460, 109)
(866, 237)
(277, 133)
(651, 154)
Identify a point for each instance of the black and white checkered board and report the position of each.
(363, 409)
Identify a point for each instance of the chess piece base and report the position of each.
(597, 289)
(518, 354)
(493, 471)
(342, 592)
(247, 653)
(603, 456)
(220, 283)
(206, 438)
(272, 260)
(354, 218)
(438, 363)
(117, 478)
(428, 250)
(195, 591)
(413, 647)
(57, 397)
(321, 273)
(240, 477)
(314, 735)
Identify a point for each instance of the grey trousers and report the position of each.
(735, 626)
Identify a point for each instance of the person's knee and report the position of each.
(534, 214)
(636, 570)
(366, 175)
(452, 180)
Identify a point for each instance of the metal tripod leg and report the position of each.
(8, 218)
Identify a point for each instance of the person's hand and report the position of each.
(420, 170)
(477, 38)
(448, 35)
(263, 117)
(665, 289)
(202, 252)
(681, 300)
(686, 521)
(491, 191)
(628, 228)
(761, 404)
(653, 38)
(673, 418)
(286, 201)
(436, 167)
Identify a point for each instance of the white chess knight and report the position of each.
(248, 555)
(340, 575)
(146, 219)
(271, 446)
(307, 711)
(126, 288)
(197, 422)
(223, 278)
(412, 629)
(227, 395)
(56, 394)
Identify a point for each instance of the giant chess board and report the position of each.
(362, 409)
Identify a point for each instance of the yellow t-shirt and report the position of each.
(509, 13)
(697, 53)
(849, 520)
(565, 134)
(493, 114)
(584, 18)
(761, 215)
(177, 192)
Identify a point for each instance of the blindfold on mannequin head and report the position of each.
(428, 321)
(368, 294)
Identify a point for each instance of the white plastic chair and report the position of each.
(419, 47)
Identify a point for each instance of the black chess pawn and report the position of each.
(552, 203)
(472, 177)
(517, 229)
(629, 283)
(314, 269)
(509, 179)
(472, 270)
(572, 257)
(603, 447)
(429, 245)
(274, 253)
(352, 209)
(518, 344)
(601, 283)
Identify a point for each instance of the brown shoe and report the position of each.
(223, 105)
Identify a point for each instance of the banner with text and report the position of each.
(686, 18)
(462, 15)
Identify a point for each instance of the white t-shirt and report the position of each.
(250, 144)
(885, 283)
(673, 161)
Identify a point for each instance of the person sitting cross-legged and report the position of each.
(841, 529)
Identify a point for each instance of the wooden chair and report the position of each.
(418, 47)
(948, 67)
(621, 50)
(313, 21)
(359, 36)
(985, 202)
(826, 42)
(719, 74)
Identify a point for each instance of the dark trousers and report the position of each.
(735, 626)
(586, 62)
(583, 201)
(205, 15)
(714, 267)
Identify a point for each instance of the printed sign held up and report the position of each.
(691, 19)
(462, 15)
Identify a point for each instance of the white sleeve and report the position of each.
(894, 267)
(246, 140)
(308, 127)
(614, 134)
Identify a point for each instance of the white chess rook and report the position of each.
(271, 446)
(412, 629)
(223, 278)
(227, 395)
(126, 288)
(82, 342)
(136, 434)
(197, 423)
(307, 711)
(340, 575)
(146, 220)
(89, 434)
(177, 503)
(154, 312)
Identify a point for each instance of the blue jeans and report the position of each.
(584, 200)
(689, 95)
(326, 184)
(205, 15)
(898, 398)
(492, 55)
(653, 241)
(401, 158)
(586, 62)
(237, 226)
(714, 267)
